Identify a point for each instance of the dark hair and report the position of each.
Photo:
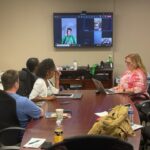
(44, 66)
(9, 78)
(32, 63)
(69, 29)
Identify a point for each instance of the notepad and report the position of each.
(34, 143)
(101, 114)
(136, 126)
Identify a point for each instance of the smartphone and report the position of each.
(128, 105)
(67, 111)
(46, 145)
(63, 94)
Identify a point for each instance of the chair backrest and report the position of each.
(8, 118)
(92, 142)
(148, 88)
(26, 82)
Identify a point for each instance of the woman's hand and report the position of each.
(118, 89)
(57, 74)
(52, 97)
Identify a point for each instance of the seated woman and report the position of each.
(43, 87)
(134, 79)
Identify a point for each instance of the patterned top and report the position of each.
(135, 80)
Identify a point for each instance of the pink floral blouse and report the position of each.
(135, 80)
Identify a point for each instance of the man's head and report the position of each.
(32, 64)
(10, 80)
(69, 30)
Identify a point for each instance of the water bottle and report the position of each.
(110, 61)
(58, 133)
(75, 65)
(131, 115)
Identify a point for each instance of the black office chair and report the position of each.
(92, 142)
(10, 131)
(142, 104)
(137, 98)
(144, 114)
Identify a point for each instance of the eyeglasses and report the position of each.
(128, 62)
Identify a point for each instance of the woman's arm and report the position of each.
(136, 83)
(57, 77)
(52, 97)
(39, 90)
(139, 82)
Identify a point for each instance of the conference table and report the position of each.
(83, 116)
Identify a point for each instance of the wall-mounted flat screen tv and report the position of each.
(83, 29)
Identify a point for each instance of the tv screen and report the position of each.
(83, 29)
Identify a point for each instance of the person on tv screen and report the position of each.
(135, 78)
(69, 38)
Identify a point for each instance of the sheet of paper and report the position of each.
(34, 143)
(136, 126)
(111, 89)
(101, 114)
(53, 115)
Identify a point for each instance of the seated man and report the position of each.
(26, 109)
(27, 77)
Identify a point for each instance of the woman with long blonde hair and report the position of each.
(135, 78)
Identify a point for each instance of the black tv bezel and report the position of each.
(83, 13)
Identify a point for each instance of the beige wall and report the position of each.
(26, 29)
(132, 31)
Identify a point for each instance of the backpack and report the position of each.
(116, 124)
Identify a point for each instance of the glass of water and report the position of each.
(59, 114)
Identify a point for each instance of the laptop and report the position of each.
(69, 95)
(100, 88)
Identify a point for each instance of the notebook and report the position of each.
(40, 104)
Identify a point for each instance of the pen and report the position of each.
(34, 142)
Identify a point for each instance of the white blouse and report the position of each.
(40, 89)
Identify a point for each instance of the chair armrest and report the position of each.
(148, 115)
(11, 128)
(144, 102)
(9, 147)
(139, 96)
(13, 147)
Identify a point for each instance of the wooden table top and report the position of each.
(82, 119)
